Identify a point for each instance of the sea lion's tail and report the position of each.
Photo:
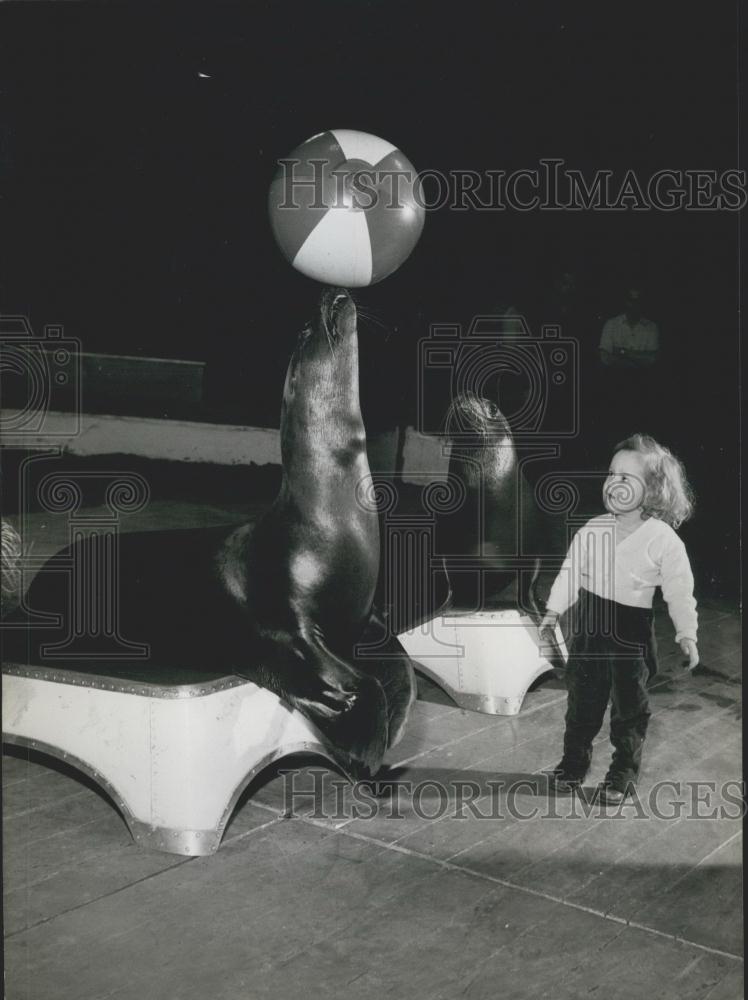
(387, 661)
(11, 583)
(347, 705)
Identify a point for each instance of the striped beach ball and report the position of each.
(346, 208)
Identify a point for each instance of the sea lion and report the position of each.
(322, 541)
(498, 536)
(286, 602)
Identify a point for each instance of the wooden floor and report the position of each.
(411, 896)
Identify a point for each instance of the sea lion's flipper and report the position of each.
(392, 667)
(347, 705)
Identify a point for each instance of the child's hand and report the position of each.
(690, 649)
(547, 626)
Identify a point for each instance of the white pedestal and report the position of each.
(485, 660)
(174, 759)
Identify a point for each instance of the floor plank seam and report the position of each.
(25, 779)
(35, 809)
(686, 972)
(475, 732)
(80, 862)
(470, 766)
(585, 832)
(716, 986)
(278, 813)
(530, 864)
(68, 830)
(425, 825)
(97, 899)
(447, 866)
(685, 941)
(738, 833)
(627, 854)
(248, 833)
(623, 857)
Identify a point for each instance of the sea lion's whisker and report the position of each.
(372, 318)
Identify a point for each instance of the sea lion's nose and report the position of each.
(340, 299)
(341, 305)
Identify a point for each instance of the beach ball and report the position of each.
(346, 208)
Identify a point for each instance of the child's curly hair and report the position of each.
(667, 493)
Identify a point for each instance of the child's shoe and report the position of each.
(565, 779)
(615, 789)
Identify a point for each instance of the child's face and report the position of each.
(623, 490)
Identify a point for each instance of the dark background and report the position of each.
(134, 190)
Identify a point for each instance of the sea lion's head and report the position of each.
(321, 393)
(480, 436)
(474, 417)
(326, 348)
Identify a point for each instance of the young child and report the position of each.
(613, 566)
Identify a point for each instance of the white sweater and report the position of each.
(652, 556)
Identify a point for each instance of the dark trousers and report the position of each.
(612, 654)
